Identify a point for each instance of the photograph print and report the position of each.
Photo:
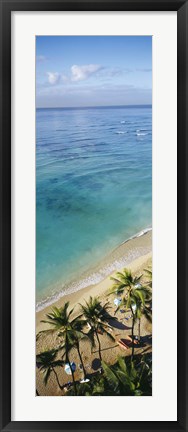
(94, 215)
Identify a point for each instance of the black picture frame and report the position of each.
(6, 7)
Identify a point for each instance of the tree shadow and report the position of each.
(146, 340)
(114, 322)
(96, 364)
(106, 349)
(146, 349)
(118, 325)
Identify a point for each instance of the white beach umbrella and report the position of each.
(138, 285)
(84, 381)
(68, 369)
(117, 301)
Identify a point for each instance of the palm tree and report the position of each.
(97, 317)
(47, 362)
(67, 346)
(70, 331)
(142, 310)
(129, 378)
(125, 378)
(135, 296)
(124, 280)
(76, 334)
(149, 274)
(145, 307)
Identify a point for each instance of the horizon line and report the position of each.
(99, 106)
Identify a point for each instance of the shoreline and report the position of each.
(141, 245)
(119, 257)
(111, 350)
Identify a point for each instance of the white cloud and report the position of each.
(80, 73)
(77, 73)
(53, 77)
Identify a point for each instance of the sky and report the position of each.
(78, 71)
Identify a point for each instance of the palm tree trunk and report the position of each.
(142, 371)
(139, 324)
(132, 339)
(97, 336)
(133, 322)
(72, 372)
(37, 393)
(57, 379)
(81, 361)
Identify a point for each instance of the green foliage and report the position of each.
(69, 329)
(131, 378)
(97, 316)
(136, 297)
(124, 280)
(149, 275)
(125, 378)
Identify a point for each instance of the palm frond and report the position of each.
(110, 376)
(122, 364)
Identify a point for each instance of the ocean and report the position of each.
(93, 191)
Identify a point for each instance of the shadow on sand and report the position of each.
(113, 322)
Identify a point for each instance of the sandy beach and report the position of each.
(120, 328)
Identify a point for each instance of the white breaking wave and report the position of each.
(139, 234)
(142, 130)
(141, 133)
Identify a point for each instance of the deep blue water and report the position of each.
(94, 187)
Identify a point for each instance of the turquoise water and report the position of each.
(93, 188)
